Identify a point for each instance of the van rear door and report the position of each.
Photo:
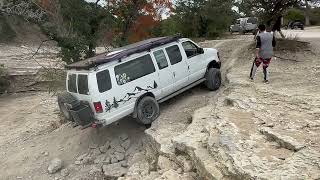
(78, 85)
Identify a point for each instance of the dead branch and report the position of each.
(287, 59)
(37, 51)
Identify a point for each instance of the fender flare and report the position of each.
(134, 114)
(214, 64)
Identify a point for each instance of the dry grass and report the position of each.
(292, 45)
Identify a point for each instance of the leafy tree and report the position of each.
(137, 18)
(75, 26)
(269, 11)
(315, 16)
(203, 18)
(294, 14)
(167, 27)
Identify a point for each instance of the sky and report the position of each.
(102, 3)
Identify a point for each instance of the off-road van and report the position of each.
(245, 25)
(134, 79)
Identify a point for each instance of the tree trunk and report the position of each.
(307, 13)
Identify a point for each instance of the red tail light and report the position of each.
(98, 107)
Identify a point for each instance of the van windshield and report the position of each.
(78, 83)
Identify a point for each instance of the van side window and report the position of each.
(161, 59)
(104, 81)
(174, 54)
(72, 84)
(190, 49)
(83, 84)
(134, 69)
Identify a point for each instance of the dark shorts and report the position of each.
(265, 62)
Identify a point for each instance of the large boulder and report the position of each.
(114, 170)
(55, 165)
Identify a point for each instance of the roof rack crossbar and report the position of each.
(125, 53)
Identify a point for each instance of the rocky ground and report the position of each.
(246, 130)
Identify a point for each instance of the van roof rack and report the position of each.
(122, 52)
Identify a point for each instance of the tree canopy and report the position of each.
(78, 26)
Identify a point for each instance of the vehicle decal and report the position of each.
(132, 95)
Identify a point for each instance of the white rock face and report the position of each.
(166, 164)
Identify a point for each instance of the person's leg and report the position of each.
(266, 63)
(256, 63)
(281, 33)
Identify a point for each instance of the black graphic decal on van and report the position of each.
(137, 90)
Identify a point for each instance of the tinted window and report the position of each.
(161, 59)
(83, 84)
(252, 20)
(72, 84)
(134, 69)
(104, 81)
(174, 54)
(190, 48)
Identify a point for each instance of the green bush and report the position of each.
(315, 16)
(294, 15)
(4, 79)
(6, 32)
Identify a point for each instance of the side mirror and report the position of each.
(200, 51)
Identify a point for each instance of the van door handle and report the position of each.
(188, 67)
(174, 74)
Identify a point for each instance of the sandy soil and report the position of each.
(31, 133)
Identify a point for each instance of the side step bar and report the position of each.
(182, 90)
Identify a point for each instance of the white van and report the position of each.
(132, 80)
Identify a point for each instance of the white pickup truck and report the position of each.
(132, 80)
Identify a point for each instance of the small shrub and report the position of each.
(4, 79)
(7, 34)
(55, 79)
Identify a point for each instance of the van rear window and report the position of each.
(72, 84)
(83, 84)
(104, 81)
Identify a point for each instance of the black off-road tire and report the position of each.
(66, 102)
(213, 79)
(148, 110)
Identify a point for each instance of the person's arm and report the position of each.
(258, 46)
(274, 42)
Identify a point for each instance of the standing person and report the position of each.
(277, 26)
(265, 44)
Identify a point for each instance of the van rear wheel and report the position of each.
(147, 110)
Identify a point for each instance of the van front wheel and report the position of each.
(147, 110)
(213, 79)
